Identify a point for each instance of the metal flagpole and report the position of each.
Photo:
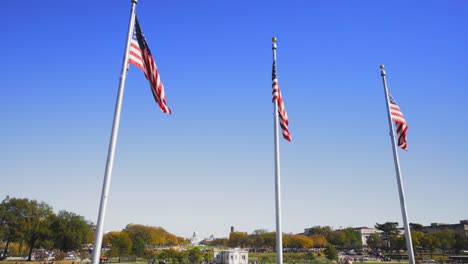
(409, 243)
(113, 141)
(279, 238)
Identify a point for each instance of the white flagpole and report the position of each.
(409, 243)
(113, 141)
(279, 238)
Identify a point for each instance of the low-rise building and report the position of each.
(232, 256)
(461, 227)
(366, 232)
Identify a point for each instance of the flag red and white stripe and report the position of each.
(140, 56)
(135, 53)
(283, 116)
(400, 122)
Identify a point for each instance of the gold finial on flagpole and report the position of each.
(382, 67)
(273, 39)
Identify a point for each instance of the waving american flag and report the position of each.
(399, 119)
(283, 116)
(140, 56)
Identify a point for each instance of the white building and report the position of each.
(195, 239)
(365, 233)
(233, 256)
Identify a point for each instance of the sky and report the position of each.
(210, 165)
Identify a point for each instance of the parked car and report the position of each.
(428, 260)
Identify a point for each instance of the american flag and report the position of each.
(140, 56)
(283, 116)
(400, 122)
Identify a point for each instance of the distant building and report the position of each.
(461, 227)
(233, 256)
(211, 238)
(366, 232)
(195, 239)
(207, 240)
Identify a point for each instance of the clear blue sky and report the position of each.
(209, 165)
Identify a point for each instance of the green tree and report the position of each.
(182, 257)
(175, 257)
(374, 241)
(398, 243)
(353, 239)
(309, 255)
(138, 247)
(109, 238)
(461, 241)
(238, 239)
(269, 240)
(208, 256)
(257, 238)
(69, 231)
(13, 213)
(338, 239)
(154, 236)
(37, 224)
(430, 242)
(121, 245)
(165, 255)
(182, 241)
(388, 229)
(416, 227)
(218, 242)
(416, 238)
(141, 231)
(446, 239)
(324, 231)
(195, 255)
(151, 255)
(331, 253)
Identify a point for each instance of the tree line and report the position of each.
(424, 240)
(388, 239)
(33, 224)
(261, 240)
(26, 225)
(139, 240)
